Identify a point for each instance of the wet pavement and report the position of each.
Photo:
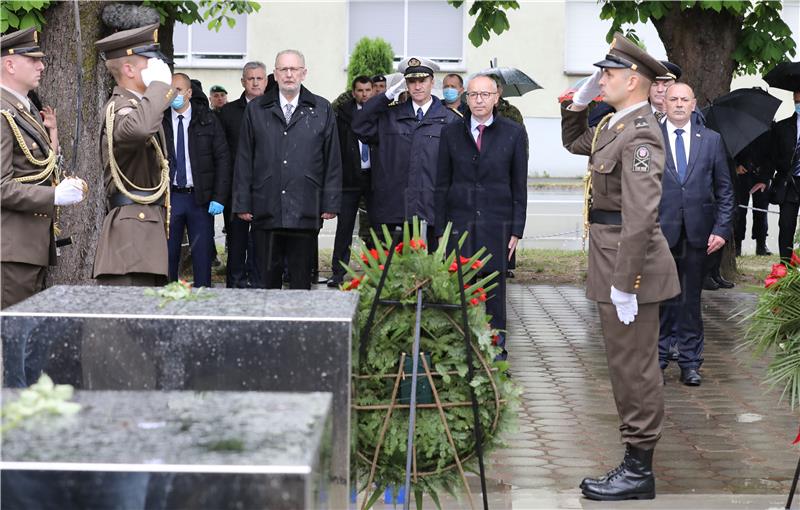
(725, 444)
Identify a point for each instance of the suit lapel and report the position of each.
(27, 122)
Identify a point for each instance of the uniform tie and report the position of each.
(479, 140)
(419, 114)
(180, 156)
(680, 154)
(287, 112)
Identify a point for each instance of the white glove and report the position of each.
(396, 89)
(626, 304)
(69, 191)
(589, 90)
(156, 70)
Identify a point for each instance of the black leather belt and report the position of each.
(605, 217)
(119, 200)
(176, 189)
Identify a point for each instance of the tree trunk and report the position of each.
(59, 89)
(701, 41)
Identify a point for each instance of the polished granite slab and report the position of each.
(118, 338)
(177, 450)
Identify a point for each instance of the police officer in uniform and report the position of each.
(30, 185)
(630, 266)
(132, 249)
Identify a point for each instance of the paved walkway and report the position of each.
(726, 444)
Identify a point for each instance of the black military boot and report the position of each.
(587, 481)
(761, 248)
(633, 479)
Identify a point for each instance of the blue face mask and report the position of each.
(450, 95)
(177, 102)
(797, 108)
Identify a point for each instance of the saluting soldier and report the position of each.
(630, 266)
(132, 249)
(30, 185)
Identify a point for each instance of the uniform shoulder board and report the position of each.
(640, 122)
(457, 112)
(125, 110)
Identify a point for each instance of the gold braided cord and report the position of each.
(50, 162)
(162, 189)
(587, 179)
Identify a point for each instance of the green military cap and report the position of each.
(22, 42)
(624, 54)
(142, 41)
(417, 67)
(218, 88)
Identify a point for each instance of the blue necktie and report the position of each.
(364, 153)
(419, 115)
(180, 156)
(680, 154)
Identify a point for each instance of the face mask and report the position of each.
(450, 95)
(797, 108)
(177, 103)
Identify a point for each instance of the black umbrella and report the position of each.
(785, 75)
(741, 116)
(515, 82)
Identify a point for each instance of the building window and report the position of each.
(197, 46)
(437, 31)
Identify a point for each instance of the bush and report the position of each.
(370, 57)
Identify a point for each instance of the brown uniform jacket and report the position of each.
(626, 165)
(133, 238)
(26, 232)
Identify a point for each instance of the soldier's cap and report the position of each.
(142, 41)
(218, 88)
(624, 54)
(22, 42)
(417, 67)
(378, 78)
(674, 71)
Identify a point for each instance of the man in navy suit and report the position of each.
(696, 216)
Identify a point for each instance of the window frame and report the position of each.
(215, 60)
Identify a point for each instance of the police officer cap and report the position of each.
(624, 54)
(674, 71)
(378, 78)
(218, 88)
(142, 41)
(22, 42)
(417, 67)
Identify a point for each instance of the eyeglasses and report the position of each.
(484, 95)
(287, 70)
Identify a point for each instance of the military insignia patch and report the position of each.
(640, 122)
(641, 159)
(413, 62)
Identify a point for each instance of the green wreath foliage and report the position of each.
(442, 338)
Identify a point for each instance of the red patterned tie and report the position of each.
(478, 141)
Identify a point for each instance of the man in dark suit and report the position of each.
(696, 216)
(355, 176)
(785, 189)
(288, 174)
(481, 186)
(199, 176)
(242, 271)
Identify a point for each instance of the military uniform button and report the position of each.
(141, 215)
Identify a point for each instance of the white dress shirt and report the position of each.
(365, 165)
(686, 136)
(423, 106)
(285, 101)
(187, 117)
(473, 123)
(618, 115)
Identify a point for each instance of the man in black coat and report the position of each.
(785, 190)
(355, 176)
(405, 141)
(199, 175)
(288, 173)
(482, 186)
(242, 271)
(696, 216)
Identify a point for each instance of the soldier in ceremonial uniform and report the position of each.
(31, 190)
(132, 249)
(630, 266)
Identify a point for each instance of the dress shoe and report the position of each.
(710, 284)
(761, 249)
(723, 283)
(632, 479)
(334, 282)
(691, 377)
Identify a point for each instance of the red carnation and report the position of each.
(482, 297)
(464, 260)
(474, 301)
(495, 339)
(795, 261)
(476, 265)
(354, 283)
(380, 266)
(413, 244)
(453, 267)
(399, 247)
(770, 281)
(797, 439)
(778, 271)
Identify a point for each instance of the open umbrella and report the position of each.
(785, 75)
(741, 116)
(515, 82)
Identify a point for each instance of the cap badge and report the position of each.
(413, 62)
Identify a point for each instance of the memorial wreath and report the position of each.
(444, 441)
